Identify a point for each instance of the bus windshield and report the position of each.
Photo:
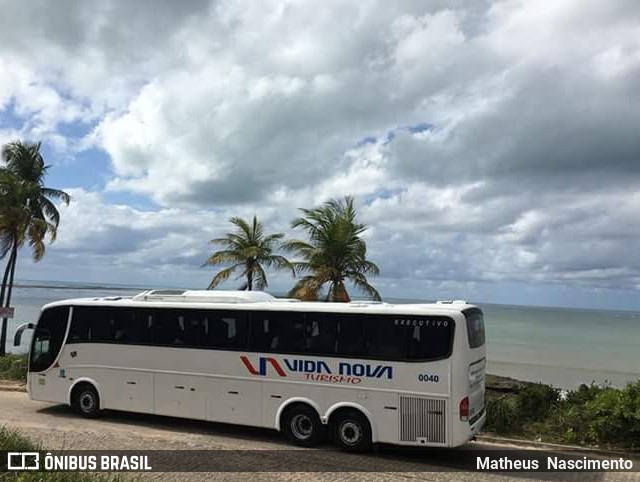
(48, 337)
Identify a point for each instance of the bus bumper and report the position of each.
(477, 426)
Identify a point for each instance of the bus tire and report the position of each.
(85, 400)
(351, 431)
(302, 426)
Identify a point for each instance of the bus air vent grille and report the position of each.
(422, 419)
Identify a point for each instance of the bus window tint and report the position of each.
(131, 326)
(322, 334)
(351, 336)
(225, 329)
(169, 328)
(386, 340)
(80, 329)
(432, 339)
(91, 324)
(278, 332)
(475, 327)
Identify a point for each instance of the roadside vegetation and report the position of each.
(591, 415)
(13, 367)
(12, 441)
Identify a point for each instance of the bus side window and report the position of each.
(292, 335)
(432, 341)
(278, 332)
(226, 330)
(351, 336)
(322, 334)
(131, 326)
(100, 325)
(168, 328)
(386, 340)
(80, 330)
(264, 332)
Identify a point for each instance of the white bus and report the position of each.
(406, 374)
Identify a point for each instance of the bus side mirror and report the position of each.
(18, 335)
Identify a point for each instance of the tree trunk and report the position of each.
(339, 293)
(9, 271)
(6, 277)
(250, 281)
(11, 275)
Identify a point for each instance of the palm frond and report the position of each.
(222, 276)
(56, 194)
(220, 257)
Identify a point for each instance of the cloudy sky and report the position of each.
(492, 146)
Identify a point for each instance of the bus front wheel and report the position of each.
(351, 431)
(302, 426)
(85, 400)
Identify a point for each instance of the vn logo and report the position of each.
(262, 366)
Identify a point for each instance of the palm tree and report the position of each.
(335, 252)
(250, 250)
(27, 212)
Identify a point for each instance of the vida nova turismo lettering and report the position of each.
(93, 462)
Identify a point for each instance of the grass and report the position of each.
(11, 440)
(13, 367)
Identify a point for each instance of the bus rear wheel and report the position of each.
(85, 400)
(351, 431)
(302, 426)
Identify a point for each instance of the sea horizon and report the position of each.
(83, 285)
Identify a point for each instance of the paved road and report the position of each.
(57, 427)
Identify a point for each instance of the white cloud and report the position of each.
(210, 109)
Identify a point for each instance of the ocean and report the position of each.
(560, 346)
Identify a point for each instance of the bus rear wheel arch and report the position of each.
(301, 425)
(85, 400)
(351, 430)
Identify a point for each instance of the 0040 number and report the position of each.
(428, 378)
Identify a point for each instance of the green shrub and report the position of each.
(583, 394)
(502, 415)
(614, 417)
(591, 415)
(535, 401)
(13, 367)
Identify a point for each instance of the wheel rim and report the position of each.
(350, 432)
(301, 426)
(87, 402)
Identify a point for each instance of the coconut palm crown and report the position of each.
(334, 254)
(249, 251)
